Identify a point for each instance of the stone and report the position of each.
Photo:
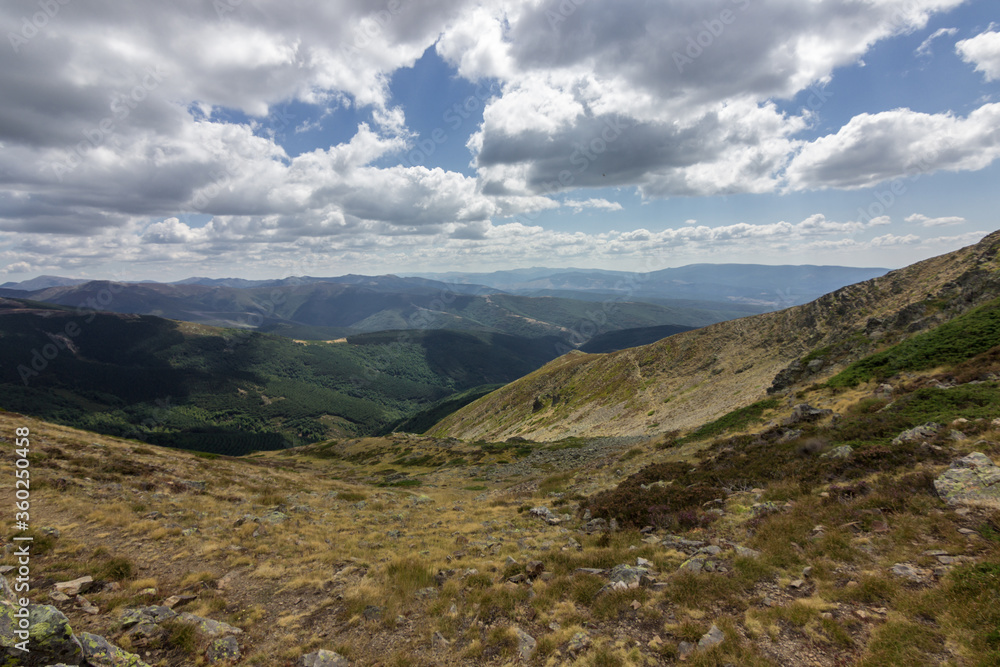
(50, 637)
(99, 652)
(223, 649)
(797, 584)
(842, 452)
(746, 552)
(542, 512)
(613, 525)
(153, 614)
(534, 568)
(711, 638)
(971, 480)
(655, 643)
(323, 658)
(596, 526)
(917, 433)
(75, 587)
(692, 565)
(957, 435)
(804, 412)
(207, 626)
(710, 550)
(525, 643)
(911, 572)
(578, 643)
(684, 649)
(86, 606)
(178, 600)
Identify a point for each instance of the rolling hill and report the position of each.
(232, 391)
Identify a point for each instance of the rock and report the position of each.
(146, 633)
(578, 643)
(178, 600)
(746, 552)
(971, 480)
(711, 638)
(542, 512)
(510, 561)
(884, 391)
(684, 649)
(525, 643)
(911, 572)
(655, 643)
(957, 436)
(86, 606)
(797, 584)
(842, 452)
(207, 626)
(99, 652)
(372, 612)
(153, 614)
(917, 433)
(692, 565)
(75, 587)
(629, 575)
(223, 649)
(322, 658)
(613, 525)
(804, 412)
(595, 526)
(534, 568)
(710, 550)
(50, 637)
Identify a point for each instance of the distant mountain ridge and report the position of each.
(366, 304)
(767, 286)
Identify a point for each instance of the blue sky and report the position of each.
(251, 139)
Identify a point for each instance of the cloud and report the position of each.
(983, 51)
(924, 49)
(919, 219)
(691, 84)
(600, 204)
(873, 148)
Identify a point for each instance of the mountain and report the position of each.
(697, 376)
(42, 282)
(364, 303)
(233, 391)
(770, 287)
(612, 341)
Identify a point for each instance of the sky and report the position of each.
(261, 139)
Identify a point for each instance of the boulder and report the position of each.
(971, 480)
(711, 638)
(207, 626)
(803, 412)
(50, 637)
(525, 643)
(153, 614)
(99, 652)
(917, 433)
(223, 649)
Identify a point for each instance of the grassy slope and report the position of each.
(349, 569)
(695, 377)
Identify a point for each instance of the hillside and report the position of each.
(233, 391)
(870, 538)
(695, 377)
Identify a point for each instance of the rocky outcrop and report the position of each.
(971, 480)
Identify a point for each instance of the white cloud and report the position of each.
(983, 51)
(920, 219)
(873, 148)
(600, 204)
(925, 47)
